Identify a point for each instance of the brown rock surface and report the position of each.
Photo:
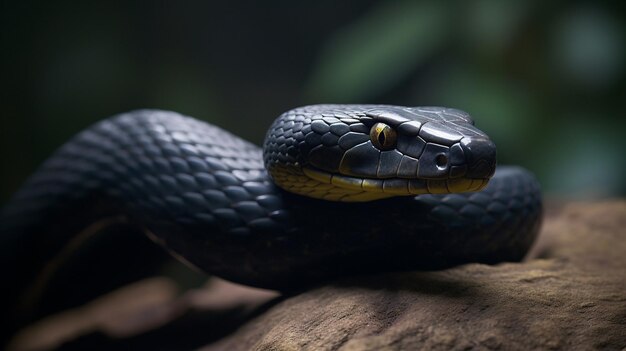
(570, 294)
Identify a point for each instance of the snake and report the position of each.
(336, 190)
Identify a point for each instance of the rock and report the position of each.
(570, 294)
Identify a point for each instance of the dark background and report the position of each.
(545, 79)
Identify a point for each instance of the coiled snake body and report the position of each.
(206, 196)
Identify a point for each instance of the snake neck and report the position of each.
(320, 185)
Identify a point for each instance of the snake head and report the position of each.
(369, 152)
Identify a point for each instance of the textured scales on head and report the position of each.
(370, 152)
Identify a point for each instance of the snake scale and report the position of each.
(337, 190)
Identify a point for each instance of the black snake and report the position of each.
(206, 196)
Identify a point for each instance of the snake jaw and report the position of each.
(362, 189)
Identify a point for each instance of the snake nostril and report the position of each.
(441, 160)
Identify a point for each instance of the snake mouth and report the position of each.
(388, 187)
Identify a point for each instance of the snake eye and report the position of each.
(383, 136)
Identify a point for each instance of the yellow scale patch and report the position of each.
(321, 185)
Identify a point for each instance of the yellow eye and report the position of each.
(383, 136)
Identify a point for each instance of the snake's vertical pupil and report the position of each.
(381, 138)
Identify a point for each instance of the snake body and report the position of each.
(207, 197)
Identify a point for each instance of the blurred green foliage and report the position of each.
(545, 79)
